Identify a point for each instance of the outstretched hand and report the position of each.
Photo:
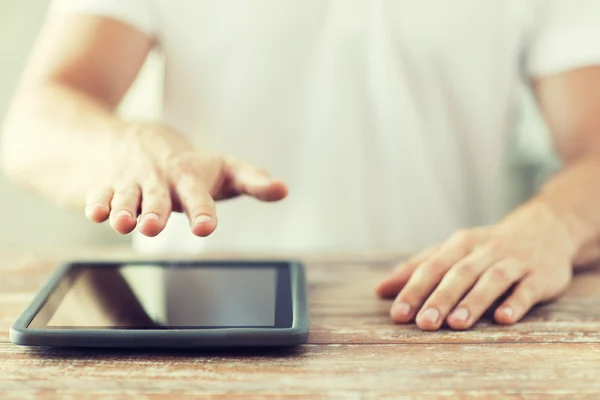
(165, 173)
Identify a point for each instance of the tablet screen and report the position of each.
(168, 296)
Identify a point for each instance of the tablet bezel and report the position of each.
(295, 334)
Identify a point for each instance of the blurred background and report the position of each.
(29, 223)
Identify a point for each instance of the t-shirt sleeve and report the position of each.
(136, 13)
(565, 36)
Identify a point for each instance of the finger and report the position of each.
(198, 205)
(389, 287)
(525, 295)
(453, 286)
(97, 206)
(124, 208)
(255, 182)
(496, 281)
(156, 208)
(422, 282)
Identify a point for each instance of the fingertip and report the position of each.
(390, 287)
(457, 323)
(97, 212)
(275, 191)
(401, 312)
(279, 190)
(505, 315)
(426, 325)
(151, 225)
(385, 289)
(380, 290)
(203, 225)
(460, 319)
(203, 230)
(124, 222)
(401, 319)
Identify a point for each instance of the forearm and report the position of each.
(572, 198)
(63, 143)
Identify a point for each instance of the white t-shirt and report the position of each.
(389, 119)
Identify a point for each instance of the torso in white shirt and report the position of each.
(389, 120)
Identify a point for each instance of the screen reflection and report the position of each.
(159, 297)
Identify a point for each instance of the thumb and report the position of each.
(252, 181)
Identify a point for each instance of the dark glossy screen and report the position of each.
(163, 296)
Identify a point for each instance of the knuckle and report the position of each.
(257, 170)
(493, 246)
(156, 191)
(414, 260)
(411, 292)
(156, 205)
(440, 299)
(129, 191)
(500, 274)
(182, 167)
(123, 203)
(263, 172)
(408, 265)
(436, 267)
(193, 193)
(154, 175)
(528, 292)
(463, 237)
(408, 295)
(103, 193)
(130, 202)
(464, 269)
(156, 200)
(473, 301)
(403, 266)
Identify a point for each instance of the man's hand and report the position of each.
(163, 172)
(527, 256)
(64, 139)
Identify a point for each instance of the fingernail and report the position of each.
(124, 213)
(509, 312)
(201, 219)
(461, 315)
(430, 315)
(151, 217)
(401, 309)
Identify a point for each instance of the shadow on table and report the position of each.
(52, 353)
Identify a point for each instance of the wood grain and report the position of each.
(355, 351)
(313, 369)
(345, 310)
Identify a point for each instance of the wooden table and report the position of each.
(354, 351)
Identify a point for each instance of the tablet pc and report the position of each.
(168, 304)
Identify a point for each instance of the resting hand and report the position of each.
(528, 257)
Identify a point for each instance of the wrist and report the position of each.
(540, 219)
